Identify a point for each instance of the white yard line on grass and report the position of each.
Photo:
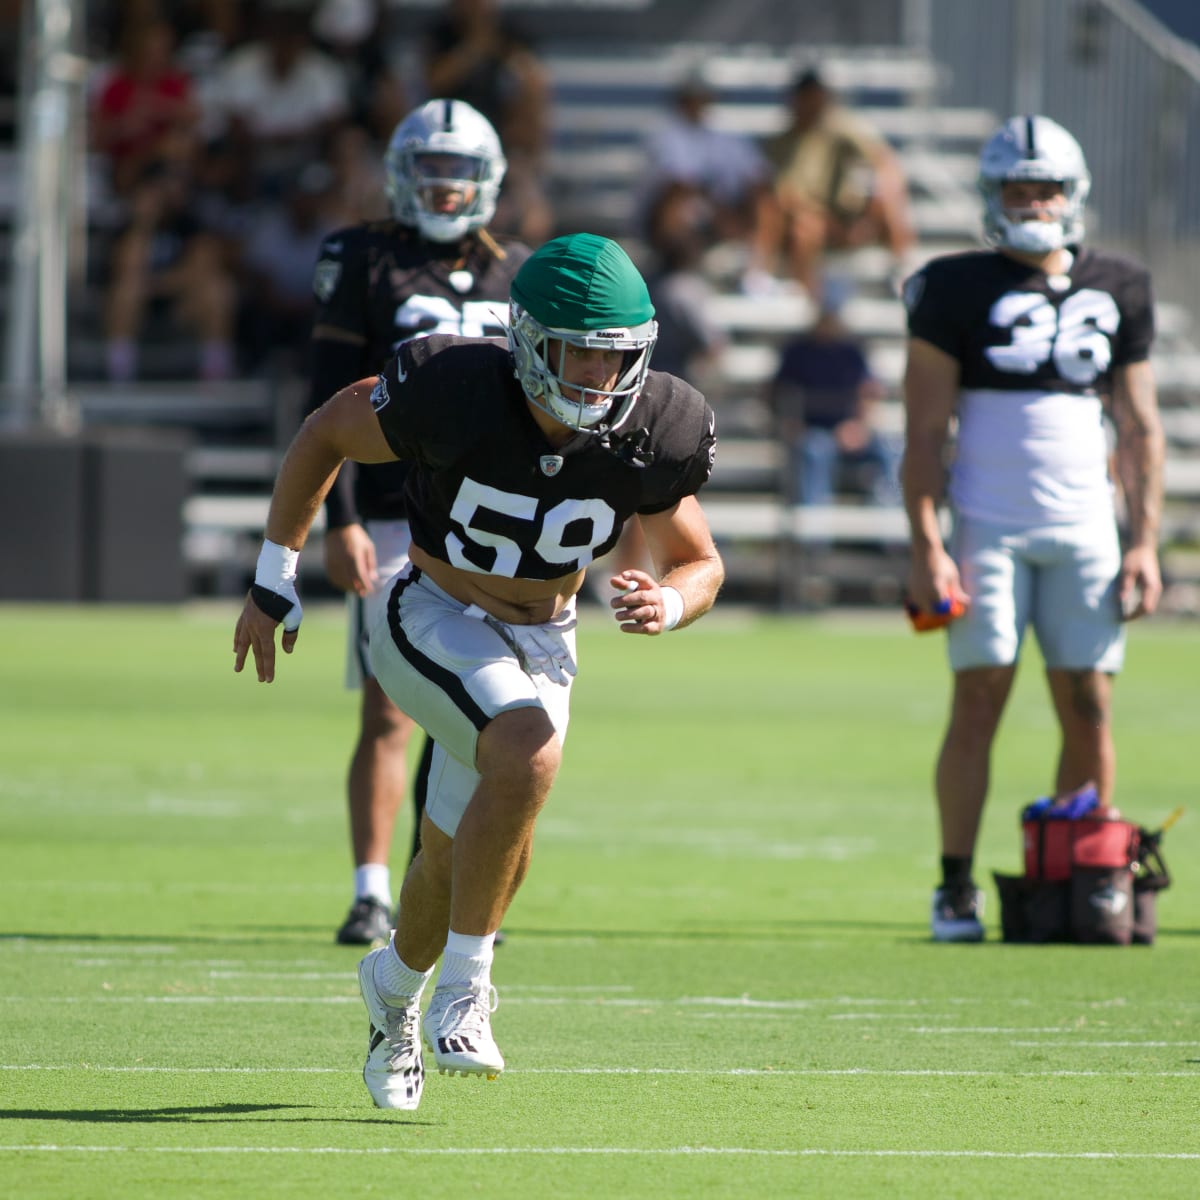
(601, 1151)
(938, 1030)
(601, 996)
(1091, 1042)
(141, 887)
(709, 1072)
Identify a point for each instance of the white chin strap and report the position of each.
(1034, 237)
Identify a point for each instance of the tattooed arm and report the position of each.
(1140, 452)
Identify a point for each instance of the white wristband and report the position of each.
(276, 566)
(672, 607)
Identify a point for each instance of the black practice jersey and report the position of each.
(487, 492)
(381, 283)
(1013, 328)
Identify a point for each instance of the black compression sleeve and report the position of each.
(335, 364)
(340, 509)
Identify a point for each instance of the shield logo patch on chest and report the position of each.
(551, 464)
(325, 278)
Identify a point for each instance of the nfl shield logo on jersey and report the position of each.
(551, 464)
(913, 290)
(325, 279)
(379, 394)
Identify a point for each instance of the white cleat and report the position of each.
(394, 1071)
(458, 1029)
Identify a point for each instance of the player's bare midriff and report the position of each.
(514, 601)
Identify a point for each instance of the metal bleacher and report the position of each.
(604, 104)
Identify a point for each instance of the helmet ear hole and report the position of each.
(522, 362)
(524, 337)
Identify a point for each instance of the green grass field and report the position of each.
(718, 980)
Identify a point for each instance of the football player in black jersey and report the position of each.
(1026, 347)
(432, 268)
(526, 459)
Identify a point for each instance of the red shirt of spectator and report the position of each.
(146, 100)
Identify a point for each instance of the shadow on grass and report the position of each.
(734, 932)
(255, 935)
(905, 930)
(211, 1114)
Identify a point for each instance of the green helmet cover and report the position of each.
(582, 281)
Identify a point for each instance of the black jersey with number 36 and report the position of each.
(1014, 328)
(487, 492)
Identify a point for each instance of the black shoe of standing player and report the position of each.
(369, 921)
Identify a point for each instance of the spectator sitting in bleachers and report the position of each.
(225, 198)
(142, 102)
(475, 53)
(724, 170)
(358, 179)
(822, 397)
(279, 96)
(165, 255)
(277, 292)
(838, 183)
(689, 341)
(351, 33)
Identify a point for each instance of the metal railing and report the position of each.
(50, 132)
(1121, 83)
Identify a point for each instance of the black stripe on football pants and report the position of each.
(361, 636)
(438, 675)
(362, 643)
(420, 792)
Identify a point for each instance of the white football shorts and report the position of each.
(453, 669)
(1061, 579)
(392, 539)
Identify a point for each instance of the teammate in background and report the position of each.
(432, 268)
(1027, 346)
(527, 460)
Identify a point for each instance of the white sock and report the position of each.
(373, 879)
(467, 959)
(396, 980)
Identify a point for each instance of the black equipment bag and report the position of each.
(1099, 905)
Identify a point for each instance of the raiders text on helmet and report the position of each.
(1033, 148)
(444, 167)
(580, 290)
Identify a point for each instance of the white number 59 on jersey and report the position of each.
(549, 540)
(1075, 336)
